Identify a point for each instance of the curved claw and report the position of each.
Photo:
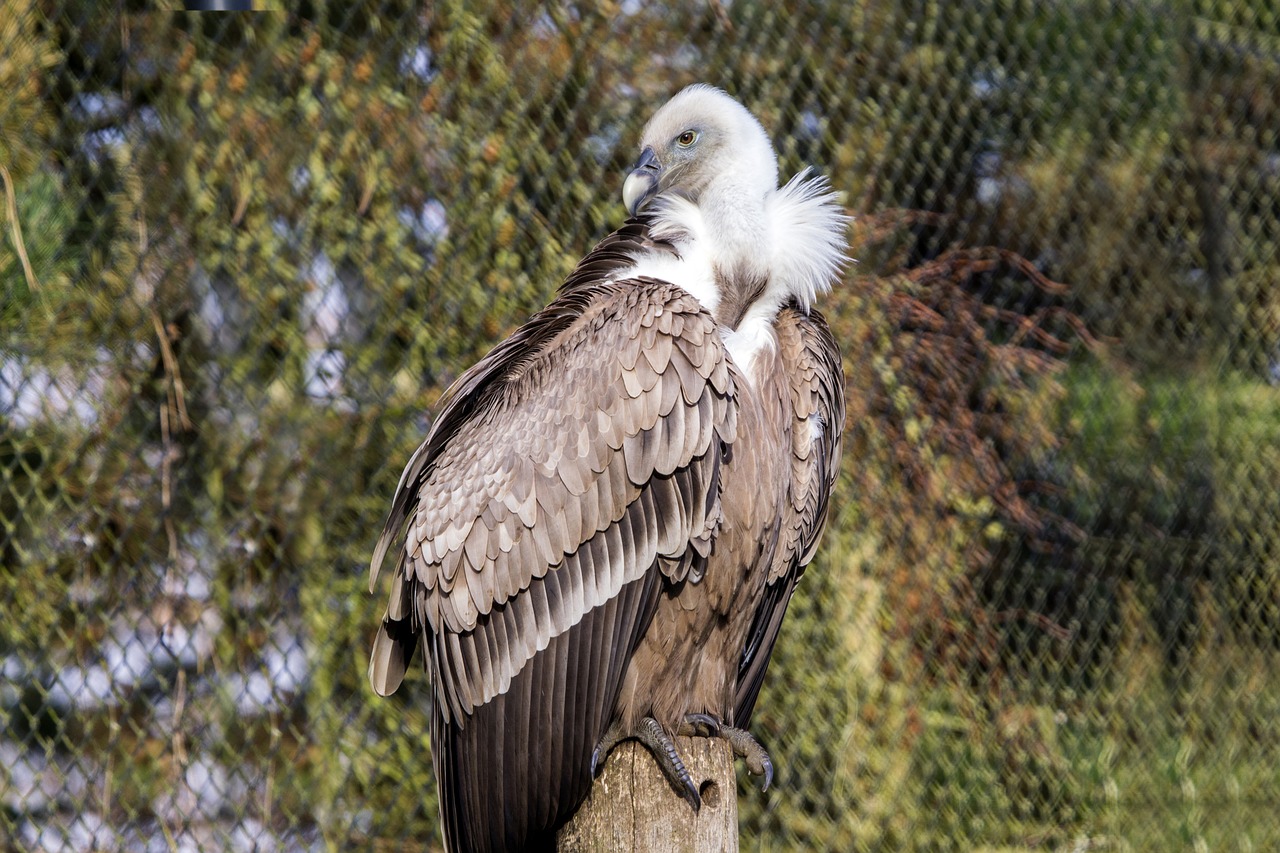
(607, 742)
(767, 771)
(700, 725)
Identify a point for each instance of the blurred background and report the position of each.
(242, 255)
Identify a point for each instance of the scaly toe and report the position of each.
(751, 752)
(661, 746)
(653, 736)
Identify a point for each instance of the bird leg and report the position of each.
(659, 743)
(744, 745)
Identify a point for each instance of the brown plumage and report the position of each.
(612, 509)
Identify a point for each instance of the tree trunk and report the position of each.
(632, 806)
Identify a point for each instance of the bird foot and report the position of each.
(659, 743)
(744, 745)
(749, 750)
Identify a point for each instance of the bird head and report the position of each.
(699, 138)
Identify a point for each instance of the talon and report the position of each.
(767, 771)
(699, 725)
(612, 736)
(750, 751)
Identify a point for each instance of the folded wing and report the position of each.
(811, 359)
(572, 473)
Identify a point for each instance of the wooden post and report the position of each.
(632, 806)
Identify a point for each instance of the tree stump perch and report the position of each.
(632, 806)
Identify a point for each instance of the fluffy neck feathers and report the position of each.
(791, 239)
(809, 238)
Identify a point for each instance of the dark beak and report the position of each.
(642, 184)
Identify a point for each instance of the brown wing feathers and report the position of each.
(565, 477)
(811, 359)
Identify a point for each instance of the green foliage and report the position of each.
(26, 54)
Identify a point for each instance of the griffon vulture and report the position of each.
(599, 536)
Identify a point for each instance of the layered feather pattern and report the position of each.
(539, 526)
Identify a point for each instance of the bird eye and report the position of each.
(687, 138)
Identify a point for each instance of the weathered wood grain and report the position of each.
(632, 807)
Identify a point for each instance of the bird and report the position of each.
(598, 537)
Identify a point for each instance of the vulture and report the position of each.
(600, 534)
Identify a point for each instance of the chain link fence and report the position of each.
(242, 255)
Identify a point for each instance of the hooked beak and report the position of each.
(642, 184)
